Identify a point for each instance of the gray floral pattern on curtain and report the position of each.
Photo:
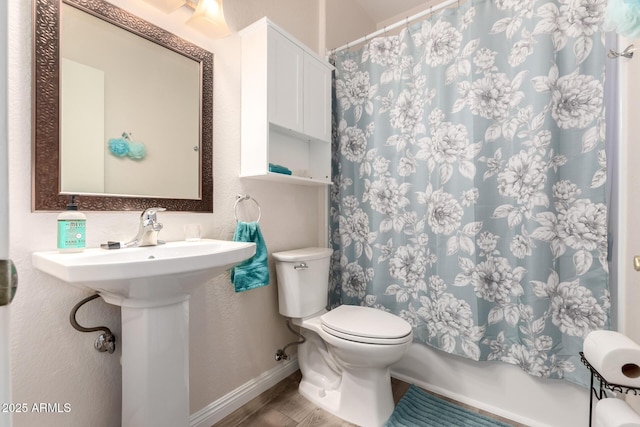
(469, 173)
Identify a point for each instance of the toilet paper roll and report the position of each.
(615, 413)
(615, 356)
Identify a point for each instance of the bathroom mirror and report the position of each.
(122, 112)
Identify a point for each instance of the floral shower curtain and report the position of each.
(469, 181)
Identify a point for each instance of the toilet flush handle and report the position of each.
(301, 266)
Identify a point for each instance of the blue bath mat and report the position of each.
(418, 408)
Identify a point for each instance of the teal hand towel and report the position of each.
(254, 272)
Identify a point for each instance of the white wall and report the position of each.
(5, 380)
(346, 21)
(629, 232)
(233, 336)
(630, 205)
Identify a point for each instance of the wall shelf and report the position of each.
(288, 179)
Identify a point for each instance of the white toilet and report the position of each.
(348, 350)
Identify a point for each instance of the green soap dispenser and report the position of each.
(72, 227)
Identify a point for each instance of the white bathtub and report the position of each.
(496, 387)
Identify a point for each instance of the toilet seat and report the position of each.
(366, 325)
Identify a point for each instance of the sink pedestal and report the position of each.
(155, 365)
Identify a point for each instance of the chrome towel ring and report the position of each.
(242, 198)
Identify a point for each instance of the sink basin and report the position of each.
(149, 275)
(151, 285)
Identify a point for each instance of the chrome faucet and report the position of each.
(148, 229)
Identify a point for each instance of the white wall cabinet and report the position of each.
(286, 107)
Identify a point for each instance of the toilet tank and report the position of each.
(303, 281)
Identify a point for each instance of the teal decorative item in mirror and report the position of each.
(137, 150)
(119, 147)
(125, 147)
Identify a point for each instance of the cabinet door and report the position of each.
(317, 99)
(285, 82)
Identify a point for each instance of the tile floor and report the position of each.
(282, 406)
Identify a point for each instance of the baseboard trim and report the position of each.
(217, 410)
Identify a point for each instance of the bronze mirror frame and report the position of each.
(45, 157)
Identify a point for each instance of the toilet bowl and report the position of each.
(347, 353)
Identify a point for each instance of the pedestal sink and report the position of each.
(151, 285)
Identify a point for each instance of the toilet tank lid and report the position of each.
(304, 254)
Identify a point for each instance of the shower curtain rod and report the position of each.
(391, 27)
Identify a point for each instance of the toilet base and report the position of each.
(364, 397)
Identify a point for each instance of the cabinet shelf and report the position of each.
(289, 179)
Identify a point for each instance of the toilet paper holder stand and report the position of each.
(604, 385)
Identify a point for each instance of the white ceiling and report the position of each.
(383, 10)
